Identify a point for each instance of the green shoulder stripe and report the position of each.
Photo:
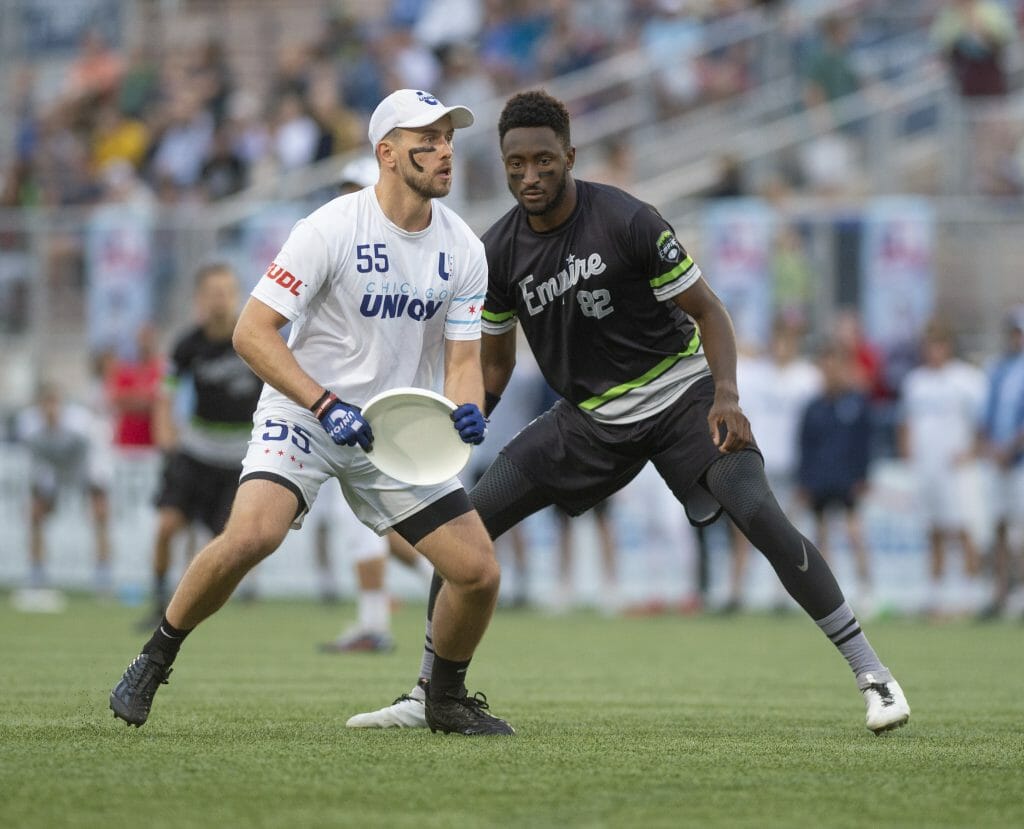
(503, 316)
(645, 378)
(674, 274)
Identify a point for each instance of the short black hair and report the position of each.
(204, 272)
(535, 109)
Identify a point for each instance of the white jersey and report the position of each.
(774, 397)
(371, 304)
(74, 451)
(941, 408)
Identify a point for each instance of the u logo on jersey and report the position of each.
(445, 265)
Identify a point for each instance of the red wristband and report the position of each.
(323, 403)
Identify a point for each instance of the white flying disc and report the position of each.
(414, 439)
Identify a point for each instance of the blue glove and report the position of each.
(343, 421)
(470, 423)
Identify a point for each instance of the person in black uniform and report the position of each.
(203, 459)
(627, 331)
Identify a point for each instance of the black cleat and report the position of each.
(462, 714)
(132, 697)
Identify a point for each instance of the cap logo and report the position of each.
(427, 98)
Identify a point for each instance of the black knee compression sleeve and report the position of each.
(504, 496)
(738, 482)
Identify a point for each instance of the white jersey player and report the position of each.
(942, 403)
(383, 288)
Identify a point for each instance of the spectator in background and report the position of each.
(140, 82)
(830, 161)
(116, 137)
(184, 141)
(729, 183)
(224, 171)
(833, 464)
(296, 134)
(867, 374)
(830, 74)
(210, 74)
(371, 631)
(673, 38)
(96, 71)
(66, 443)
(341, 129)
(973, 36)
(793, 277)
(1002, 440)
(132, 388)
(444, 24)
(942, 400)
(410, 64)
(610, 598)
(463, 79)
(512, 33)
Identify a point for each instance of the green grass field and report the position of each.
(750, 721)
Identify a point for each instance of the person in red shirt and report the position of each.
(132, 387)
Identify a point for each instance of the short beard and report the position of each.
(426, 189)
(555, 201)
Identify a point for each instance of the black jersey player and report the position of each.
(625, 328)
(203, 456)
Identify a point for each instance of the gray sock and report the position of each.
(842, 628)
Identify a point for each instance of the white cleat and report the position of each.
(407, 711)
(886, 704)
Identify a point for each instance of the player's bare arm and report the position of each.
(463, 378)
(719, 340)
(464, 383)
(164, 429)
(258, 341)
(498, 357)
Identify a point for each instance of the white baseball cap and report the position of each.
(410, 108)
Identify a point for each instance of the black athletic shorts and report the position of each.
(845, 498)
(201, 491)
(577, 462)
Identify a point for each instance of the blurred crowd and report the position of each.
(182, 121)
(822, 416)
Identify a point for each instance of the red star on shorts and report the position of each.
(280, 452)
(266, 451)
(472, 309)
(293, 458)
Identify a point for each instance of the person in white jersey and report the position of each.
(383, 288)
(942, 403)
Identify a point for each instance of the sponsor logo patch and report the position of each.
(669, 248)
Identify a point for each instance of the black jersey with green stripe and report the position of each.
(225, 394)
(594, 298)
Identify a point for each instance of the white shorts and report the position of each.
(290, 444)
(351, 535)
(940, 497)
(1008, 497)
